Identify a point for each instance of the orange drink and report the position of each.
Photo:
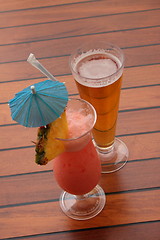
(97, 69)
(105, 98)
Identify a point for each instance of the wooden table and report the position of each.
(29, 195)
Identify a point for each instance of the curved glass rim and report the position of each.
(95, 118)
(102, 78)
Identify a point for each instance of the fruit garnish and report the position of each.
(47, 146)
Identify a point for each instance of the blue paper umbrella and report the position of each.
(40, 104)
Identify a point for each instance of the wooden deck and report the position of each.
(29, 195)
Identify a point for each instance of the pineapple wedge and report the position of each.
(47, 146)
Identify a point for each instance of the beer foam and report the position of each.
(99, 65)
(98, 68)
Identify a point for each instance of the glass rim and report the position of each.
(100, 42)
(89, 130)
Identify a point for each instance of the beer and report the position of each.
(98, 75)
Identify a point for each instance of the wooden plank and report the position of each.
(47, 217)
(64, 46)
(139, 98)
(128, 123)
(138, 231)
(66, 10)
(141, 76)
(138, 121)
(12, 5)
(21, 160)
(146, 55)
(29, 206)
(34, 32)
(133, 77)
(35, 188)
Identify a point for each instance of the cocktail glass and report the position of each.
(97, 69)
(78, 169)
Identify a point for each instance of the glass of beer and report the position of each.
(97, 69)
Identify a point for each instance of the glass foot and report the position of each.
(115, 158)
(83, 207)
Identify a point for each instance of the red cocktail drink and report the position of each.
(78, 169)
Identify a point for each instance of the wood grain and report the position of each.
(124, 232)
(119, 209)
(29, 195)
(12, 5)
(64, 46)
(83, 26)
(48, 11)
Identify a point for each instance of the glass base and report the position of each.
(114, 157)
(83, 207)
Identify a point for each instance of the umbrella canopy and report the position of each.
(39, 104)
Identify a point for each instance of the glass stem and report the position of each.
(81, 197)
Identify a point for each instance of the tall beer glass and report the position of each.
(97, 69)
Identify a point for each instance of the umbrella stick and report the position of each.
(34, 62)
